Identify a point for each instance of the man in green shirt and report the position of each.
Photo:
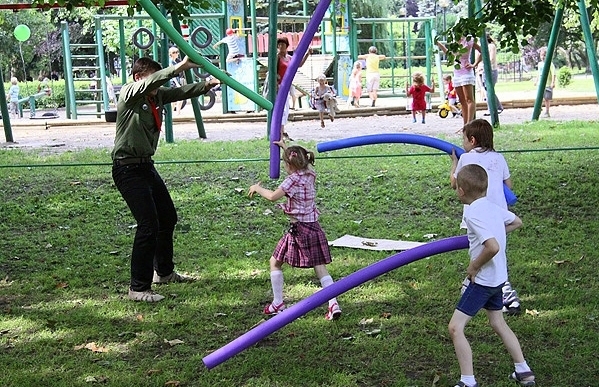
(138, 124)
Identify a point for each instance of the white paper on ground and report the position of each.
(373, 244)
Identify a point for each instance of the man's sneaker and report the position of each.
(272, 309)
(173, 277)
(333, 313)
(146, 296)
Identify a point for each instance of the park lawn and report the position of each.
(67, 234)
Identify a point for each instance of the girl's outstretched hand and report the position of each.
(254, 188)
(281, 144)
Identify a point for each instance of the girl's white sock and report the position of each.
(325, 281)
(276, 281)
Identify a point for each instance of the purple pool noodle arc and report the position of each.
(343, 285)
(283, 92)
(405, 138)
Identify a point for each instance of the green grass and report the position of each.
(67, 235)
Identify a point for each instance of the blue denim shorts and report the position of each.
(476, 297)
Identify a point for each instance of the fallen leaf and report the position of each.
(239, 190)
(374, 332)
(5, 282)
(175, 383)
(174, 342)
(250, 253)
(537, 139)
(62, 285)
(436, 379)
(153, 372)
(75, 183)
(581, 258)
(560, 262)
(533, 312)
(91, 346)
(114, 252)
(386, 315)
(267, 212)
(429, 236)
(48, 245)
(220, 314)
(139, 317)
(366, 321)
(358, 221)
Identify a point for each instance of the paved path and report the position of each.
(390, 117)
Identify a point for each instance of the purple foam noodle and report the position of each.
(285, 86)
(339, 287)
(404, 138)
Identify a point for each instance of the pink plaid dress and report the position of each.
(305, 244)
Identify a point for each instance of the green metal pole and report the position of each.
(589, 42)
(224, 91)
(68, 70)
(4, 110)
(557, 22)
(197, 112)
(122, 56)
(255, 43)
(484, 46)
(102, 63)
(272, 59)
(140, 52)
(155, 14)
(165, 61)
(333, 9)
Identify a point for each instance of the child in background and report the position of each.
(550, 84)
(355, 84)
(13, 97)
(418, 92)
(324, 99)
(478, 147)
(487, 271)
(232, 41)
(452, 98)
(305, 244)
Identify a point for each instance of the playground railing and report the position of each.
(31, 99)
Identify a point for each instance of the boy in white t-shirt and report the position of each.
(479, 149)
(487, 226)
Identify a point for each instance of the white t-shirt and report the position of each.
(497, 171)
(485, 220)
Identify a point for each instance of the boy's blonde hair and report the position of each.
(14, 80)
(473, 180)
(298, 158)
(447, 77)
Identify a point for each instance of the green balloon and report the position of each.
(22, 32)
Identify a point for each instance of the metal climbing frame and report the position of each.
(399, 46)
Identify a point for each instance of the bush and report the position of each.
(564, 76)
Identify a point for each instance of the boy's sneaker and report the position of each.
(512, 309)
(146, 296)
(511, 302)
(333, 313)
(462, 384)
(272, 309)
(413, 120)
(171, 278)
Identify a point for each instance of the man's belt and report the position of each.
(133, 160)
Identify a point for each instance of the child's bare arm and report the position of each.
(454, 166)
(490, 249)
(265, 192)
(517, 223)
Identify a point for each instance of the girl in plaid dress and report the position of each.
(305, 244)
